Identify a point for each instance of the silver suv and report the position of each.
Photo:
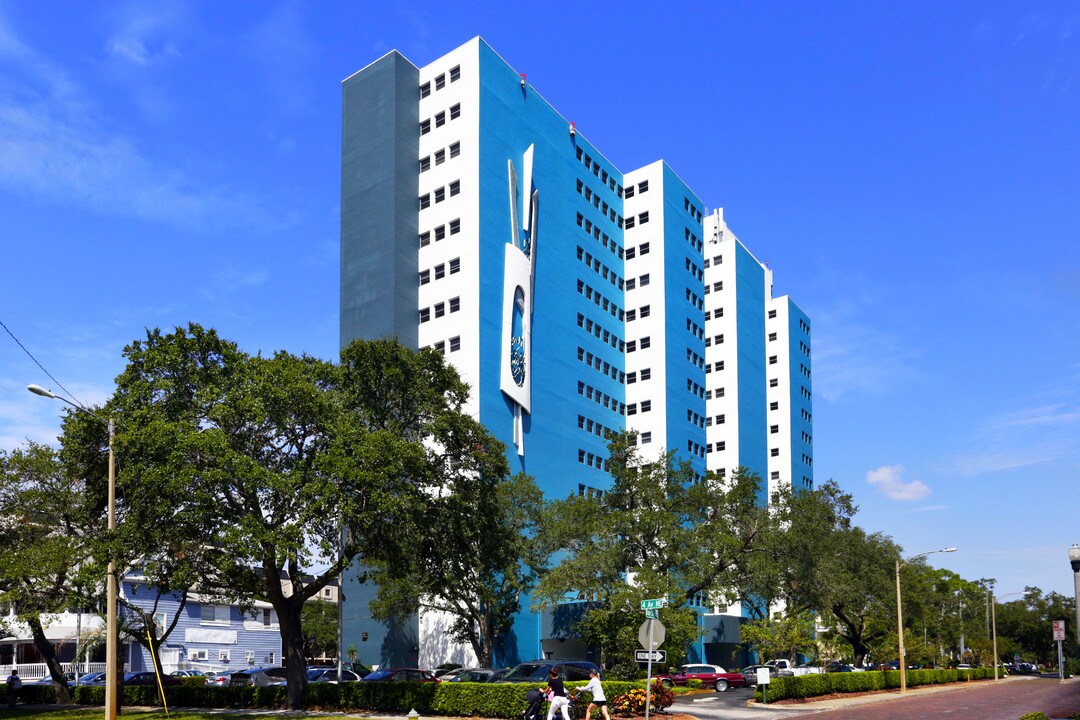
(259, 677)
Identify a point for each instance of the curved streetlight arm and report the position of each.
(913, 558)
(38, 390)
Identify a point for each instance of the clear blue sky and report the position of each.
(910, 170)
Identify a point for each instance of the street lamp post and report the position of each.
(900, 612)
(1074, 559)
(111, 696)
(993, 623)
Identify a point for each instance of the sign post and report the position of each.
(651, 636)
(763, 678)
(1059, 636)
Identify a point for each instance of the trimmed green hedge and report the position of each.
(806, 686)
(495, 700)
(34, 694)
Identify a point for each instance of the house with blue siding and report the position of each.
(206, 634)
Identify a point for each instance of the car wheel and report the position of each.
(666, 683)
(721, 685)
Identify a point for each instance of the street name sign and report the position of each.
(652, 613)
(653, 604)
(656, 656)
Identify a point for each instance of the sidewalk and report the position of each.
(887, 695)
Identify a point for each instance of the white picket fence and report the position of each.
(30, 672)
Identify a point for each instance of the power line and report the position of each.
(31, 356)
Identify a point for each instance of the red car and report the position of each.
(710, 676)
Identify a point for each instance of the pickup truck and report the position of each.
(784, 667)
(712, 676)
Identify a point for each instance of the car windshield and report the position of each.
(527, 671)
(318, 673)
(379, 675)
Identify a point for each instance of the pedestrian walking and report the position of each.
(556, 692)
(599, 700)
(14, 685)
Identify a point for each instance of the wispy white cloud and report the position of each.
(889, 480)
(56, 147)
(929, 508)
(144, 35)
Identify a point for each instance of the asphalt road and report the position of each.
(979, 701)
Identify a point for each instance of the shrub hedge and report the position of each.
(494, 700)
(806, 686)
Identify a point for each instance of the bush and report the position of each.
(36, 694)
(694, 683)
(805, 686)
(1034, 716)
(625, 670)
(194, 680)
(633, 701)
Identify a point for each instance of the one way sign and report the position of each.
(657, 656)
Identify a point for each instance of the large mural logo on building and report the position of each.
(519, 272)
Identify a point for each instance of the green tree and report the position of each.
(278, 455)
(783, 635)
(319, 619)
(658, 532)
(488, 553)
(48, 521)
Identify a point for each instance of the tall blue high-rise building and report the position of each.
(573, 297)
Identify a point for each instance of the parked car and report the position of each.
(148, 677)
(400, 675)
(712, 676)
(330, 675)
(94, 678)
(188, 673)
(749, 673)
(471, 675)
(258, 676)
(537, 670)
(218, 679)
(963, 666)
(498, 675)
(69, 677)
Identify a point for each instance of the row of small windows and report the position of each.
(645, 343)
(591, 426)
(694, 419)
(588, 458)
(693, 299)
(695, 270)
(717, 313)
(594, 231)
(805, 348)
(642, 218)
(642, 249)
(807, 460)
(806, 415)
(584, 490)
(804, 326)
(440, 194)
(694, 240)
(717, 366)
(632, 409)
(695, 449)
(715, 339)
(692, 209)
(440, 81)
(695, 389)
(594, 197)
(453, 343)
(439, 156)
(694, 329)
(643, 313)
(719, 447)
(804, 370)
(642, 187)
(440, 309)
(694, 359)
(644, 374)
(719, 392)
(600, 397)
(805, 393)
(715, 287)
(715, 260)
(599, 300)
(598, 330)
(806, 482)
(440, 271)
(608, 180)
(642, 281)
(807, 438)
(599, 268)
(440, 118)
(603, 366)
(643, 439)
(439, 233)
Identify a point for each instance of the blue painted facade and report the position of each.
(207, 636)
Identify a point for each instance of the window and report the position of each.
(425, 127)
(161, 620)
(643, 218)
(440, 157)
(455, 73)
(629, 222)
(425, 239)
(425, 201)
(646, 342)
(646, 406)
(455, 188)
(774, 405)
(223, 655)
(631, 409)
(425, 90)
(198, 654)
(721, 419)
(631, 284)
(646, 437)
(440, 194)
(774, 475)
(440, 271)
(425, 163)
(772, 359)
(644, 245)
(772, 314)
(646, 310)
(425, 315)
(455, 265)
(774, 429)
(628, 192)
(455, 149)
(644, 280)
(218, 614)
(455, 226)
(630, 253)
(440, 232)
(773, 382)
(772, 337)
(643, 186)
(455, 111)
(775, 452)
(455, 304)
(631, 378)
(425, 277)
(440, 82)
(646, 373)
(267, 617)
(249, 657)
(440, 309)
(440, 119)
(455, 343)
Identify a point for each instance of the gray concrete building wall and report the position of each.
(379, 178)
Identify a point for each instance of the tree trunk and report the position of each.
(63, 695)
(487, 657)
(292, 648)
